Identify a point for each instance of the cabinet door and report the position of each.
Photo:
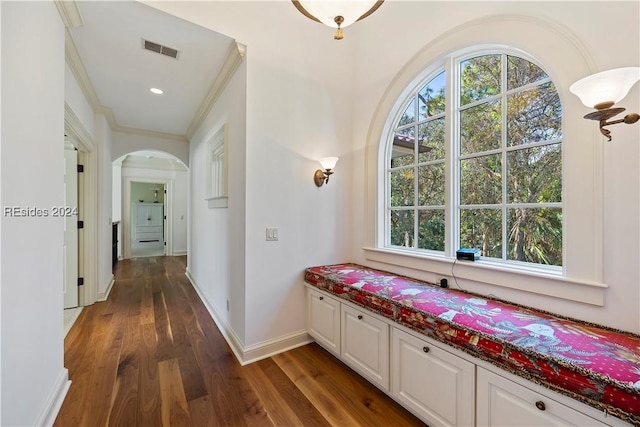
(156, 213)
(365, 345)
(143, 216)
(323, 320)
(502, 402)
(438, 386)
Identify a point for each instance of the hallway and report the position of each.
(152, 356)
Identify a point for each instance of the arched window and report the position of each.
(475, 161)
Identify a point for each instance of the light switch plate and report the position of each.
(272, 234)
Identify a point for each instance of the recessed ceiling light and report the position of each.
(156, 91)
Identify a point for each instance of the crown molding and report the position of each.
(69, 13)
(71, 17)
(233, 59)
(145, 132)
(76, 130)
(74, 60)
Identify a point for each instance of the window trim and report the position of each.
(217, 195)
(583, 207)
(450, 66)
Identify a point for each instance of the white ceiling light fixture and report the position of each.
(337, 14)
(156, 91)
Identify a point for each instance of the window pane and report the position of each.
(432, 97)
(431, 135)
(535, 235)
(481, 180)
(521, 72)
(534, 115)
(535, 175)
(402, 153)
(409, 115)
(402, 228)
(481, 128)
(431, 229)
(479, 78)
(431, 185)
(402, 193)
(482, 229)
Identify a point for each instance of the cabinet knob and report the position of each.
(425, 349)
(321, 298)
(540, 405)
(359, 316)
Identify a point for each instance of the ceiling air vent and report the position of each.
(158, 48)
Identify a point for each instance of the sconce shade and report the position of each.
(328, 162)
(326, 11)
(607, 87)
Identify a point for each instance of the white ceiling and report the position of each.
(121, 72)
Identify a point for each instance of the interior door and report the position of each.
(70, 252)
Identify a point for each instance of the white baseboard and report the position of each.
(180, 253)
(255, 352)
(54, 402)
(274, 346)
(102, 296)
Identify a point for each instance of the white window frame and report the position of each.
(580, 278)
(217, 195)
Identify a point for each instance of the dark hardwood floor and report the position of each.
(152, 356)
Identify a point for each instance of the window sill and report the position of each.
(217, 202)
(487, 272)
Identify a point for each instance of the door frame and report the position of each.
(87, 206)
(126, 212)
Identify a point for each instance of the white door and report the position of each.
(70, 252)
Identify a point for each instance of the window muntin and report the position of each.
(502, 160)
(416, 176)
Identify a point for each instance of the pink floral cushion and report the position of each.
(597, 365)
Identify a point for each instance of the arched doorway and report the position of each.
(150, 202)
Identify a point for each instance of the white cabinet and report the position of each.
(442, 386)
(365, 345)
(502, 402)
(149, 222)
(435, 384)
(323, 320)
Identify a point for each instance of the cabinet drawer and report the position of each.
(502, 402)
(323, 320)
(438, 386)
(365, 345)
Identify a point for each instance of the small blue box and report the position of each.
(468, 254)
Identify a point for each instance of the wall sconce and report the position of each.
(337, 14)
(602, 90)
(321, 177)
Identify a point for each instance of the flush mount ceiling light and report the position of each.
(156, 91)
(602, 91)
(337, 14)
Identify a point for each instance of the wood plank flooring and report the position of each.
(152, 356)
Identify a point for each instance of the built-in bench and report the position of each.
(597, 365)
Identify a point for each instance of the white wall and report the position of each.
(75, 99)
(116, 191)
(125, 143)
(102, 137)
(217, 244)
(179, 207)
(607, 35)
(32, 376)
(298, 110)
(309, 96)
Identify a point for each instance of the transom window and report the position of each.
(475, 161)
